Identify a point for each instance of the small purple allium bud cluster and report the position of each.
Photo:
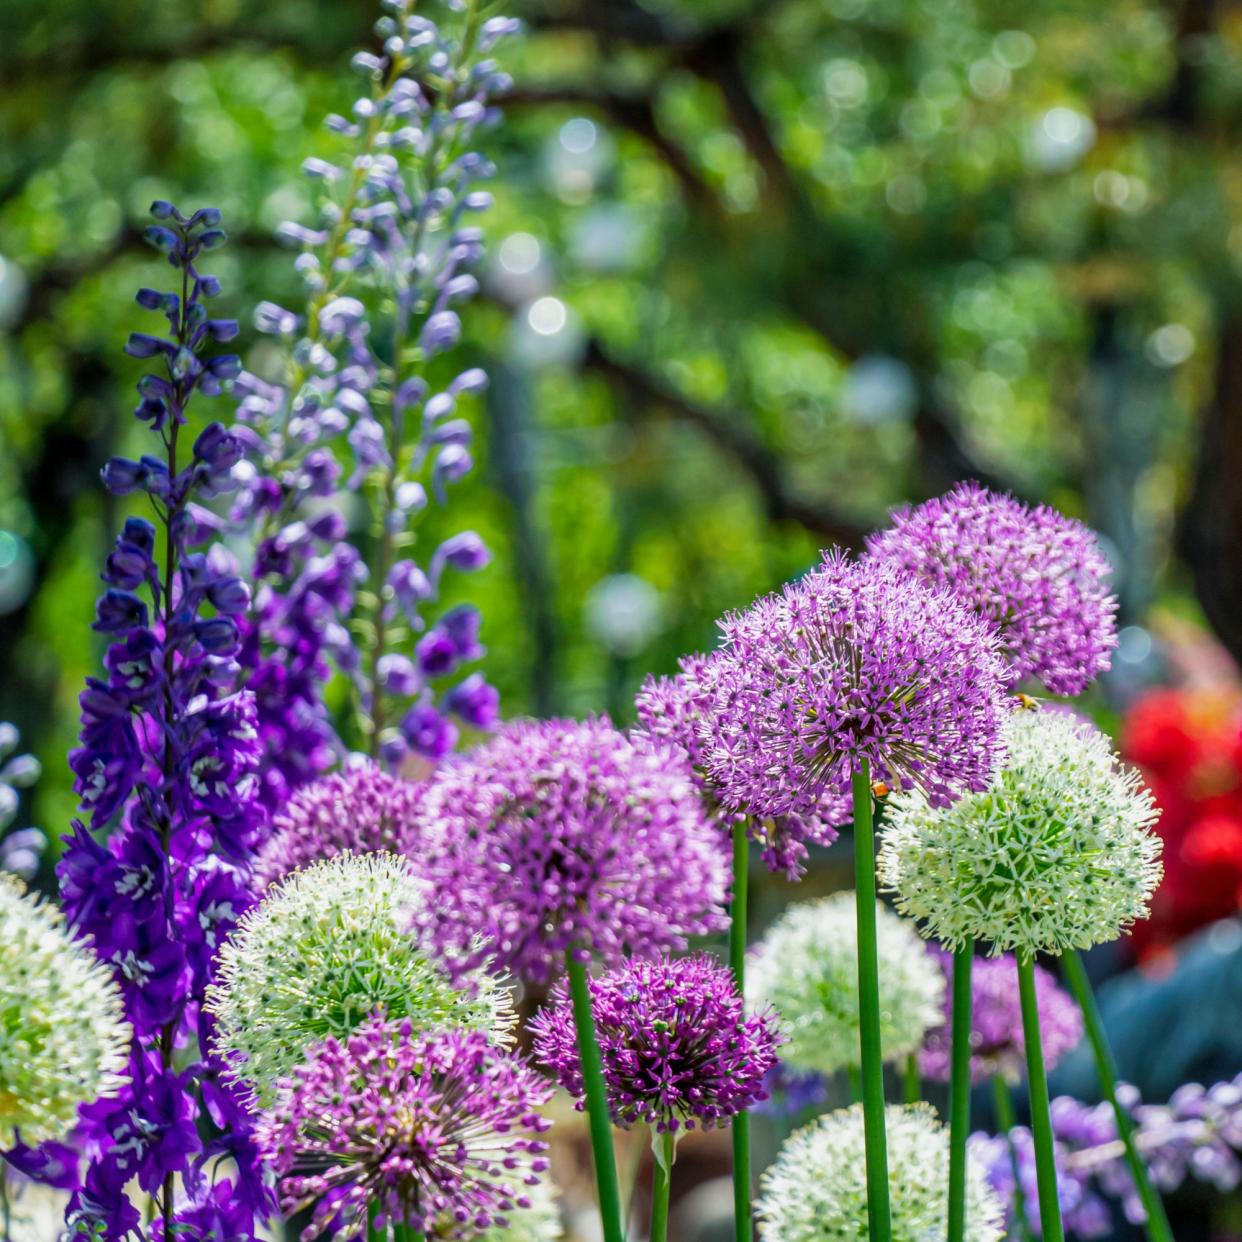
(558, 837)
(361, 810)
(423, 1127)
(671, 710)
(854, 662)
(386, 268)
(1036, 576)
(167, 760)
(679, 1050)
(997, 1045)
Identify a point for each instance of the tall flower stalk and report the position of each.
(742, 1226)
(167, 761)
(959, 1089)
(1051, 1228)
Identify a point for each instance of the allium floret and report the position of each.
(431, 1128)
(816, 1191)
(679, 1049)
(327, 948)
(1037, 577)
(997, 1044)
(358, 810)
(856, 661)
(1058, 854)
(556, 834)
(806, 968)
(671, 712)
(63, 1036)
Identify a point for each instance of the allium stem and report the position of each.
(879, 1227)
(661, 1183)
(1157, 1224)
(1041, 1121)
(1002, 1102)
(853, 1082)
(374, 1232)
(912, 1082)
(607, 1185)
(959, 1090)
(742, 1227)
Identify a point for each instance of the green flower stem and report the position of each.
(661, 1183)
(879, 1225)
(407, 1233)
(1041, 1120)
(742, 1228)
(959, 1091)
(1002, 1102)
(374, 1232)
(1157, 1227)
(606, 1183)
(911, 1080)
(853, 1080)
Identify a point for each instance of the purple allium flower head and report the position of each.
(679, 1049)
(855, 661)
(1036, 576)
(427, 1127)
(996, 1041)
(556, 835)
(360, 809)
(671, 711)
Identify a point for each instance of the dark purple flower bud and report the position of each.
(122, 476)
(453, 463)
(437, 653)
(320, 472)
(411, 392)
(229, 595)
(153, 299)
(209, 286)
(126, 567)
(164, 240)
(340, 315)
(222, 329)
(441, 331)
(465, 551)
(208, 217)
(144, 345)
(140, 533)
(212, 239)
(474, 702)
(462, 625)
(217, 448)
(428, 733)
(329, 526)
(161, 209)
(398, 675)
(217, 635)
(410, 585)
(152, 410)
(225, 366)
(118, 610)
(273, 320)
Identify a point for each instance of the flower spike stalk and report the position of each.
(959, 1106)
(1156, 1225)
(872, 1057)
(743, 1229)
(1041, 1120)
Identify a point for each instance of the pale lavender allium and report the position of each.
(360, 810)
(426, 1127)
(679, 1050)
(996, 1042)
(1037, 577)
(558, 834)
(855, 661)
(671, 711)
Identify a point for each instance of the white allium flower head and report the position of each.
(328, 947)
(816, 1191)
(64, 1040)
(806, 968)
(1058, 854)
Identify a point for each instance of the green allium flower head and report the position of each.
(806, 968)
(1057, 854)
(63, 1036)
(328, 947)
(816, 1191)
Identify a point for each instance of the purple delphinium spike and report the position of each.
(854, 661)
(1037, 577)
(671, 712)
(679, 1050)
(427, 1128)
(167, 756)
(385, 268)
(556, 834)
(997, 1045)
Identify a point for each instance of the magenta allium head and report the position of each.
(1036, 576)
(671, 710)
(556, 834)
(360, 810)
(996, 1042)
(855, 661)
(678, 1047)
(430, 1128)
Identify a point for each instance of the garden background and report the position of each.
(757, 273)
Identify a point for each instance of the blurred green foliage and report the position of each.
(760, 269)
